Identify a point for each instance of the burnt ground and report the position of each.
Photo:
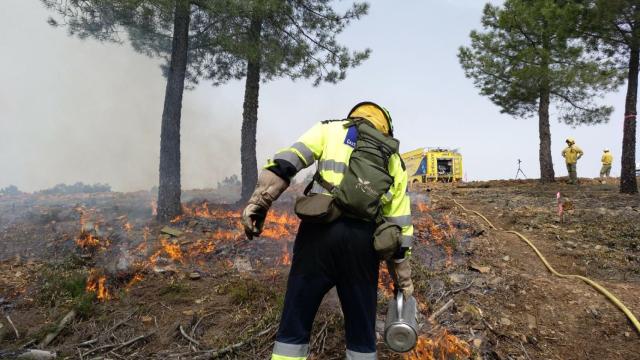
(60, 253)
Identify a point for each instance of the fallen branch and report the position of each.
(441, 310)
(118, 346)
(117, 325)
(192, 340)
(193, 330)
(212, 354)
(61, 325)
(13, 326)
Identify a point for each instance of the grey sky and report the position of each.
(73, 110)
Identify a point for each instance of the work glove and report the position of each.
(402, 276)
(269, 187)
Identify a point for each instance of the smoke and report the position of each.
(74, 110)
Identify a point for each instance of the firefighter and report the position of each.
(607, 160)
(572, 153)
(339, 253)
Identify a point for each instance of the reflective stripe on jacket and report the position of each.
(328, 144)
(572, 153)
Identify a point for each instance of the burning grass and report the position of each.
(442, 346)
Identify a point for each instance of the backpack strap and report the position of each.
(321, 181)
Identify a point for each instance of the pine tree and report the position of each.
(284, 38)
(613, 27)
(183, 33)
(528, 56)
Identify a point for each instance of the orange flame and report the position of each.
(86, 240)
(384, 282)
(172, 250)
(443, 346)
(96, 284)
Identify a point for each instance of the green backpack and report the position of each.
(367, 177)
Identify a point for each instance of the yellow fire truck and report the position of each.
(433, 164)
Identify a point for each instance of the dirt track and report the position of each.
(549, 317)
(506, 305)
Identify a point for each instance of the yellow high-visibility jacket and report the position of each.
(328, 143)
(572, 153)
(607, 158)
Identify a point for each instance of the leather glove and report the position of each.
(269, 187)
(402, 277)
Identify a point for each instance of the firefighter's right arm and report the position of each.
(277, 175)
(303, 153)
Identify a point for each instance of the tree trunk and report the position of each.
(248, 161)
(169, 190)
(628, 182)
(546, 162)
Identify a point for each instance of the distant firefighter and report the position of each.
(571, 155)
(607, 160)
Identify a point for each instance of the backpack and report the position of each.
(367, 177)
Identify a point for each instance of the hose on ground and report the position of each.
(592, 283)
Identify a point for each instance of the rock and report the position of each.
(523, 338)
(188, 313)
(166, 269)
(457, 278)
(480, 269)
(171, 231)
(242, 264)
(532, 323)
(598, 247)
(571, 243)
(505, 321)
(506, 258)
(194, 275)
(37, 355)
(146, 319)
(627, 334)
(571, 231)
(477, 343)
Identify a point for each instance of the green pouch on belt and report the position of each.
(318, 208)
(386, 239)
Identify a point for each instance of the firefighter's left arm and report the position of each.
(396, 206)
(579, 151)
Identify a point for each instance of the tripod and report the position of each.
(520, 170)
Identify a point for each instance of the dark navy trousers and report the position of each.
(339, 254)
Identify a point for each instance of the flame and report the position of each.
(150, 254)
(201, 247)
(285, 259)
(172, 250)
(86, 240)
(96, 284)
(280, 225)
(385, 282)
(154, 208)
(136, 278)
(422, 206)
(443, 346)
(428, 230)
